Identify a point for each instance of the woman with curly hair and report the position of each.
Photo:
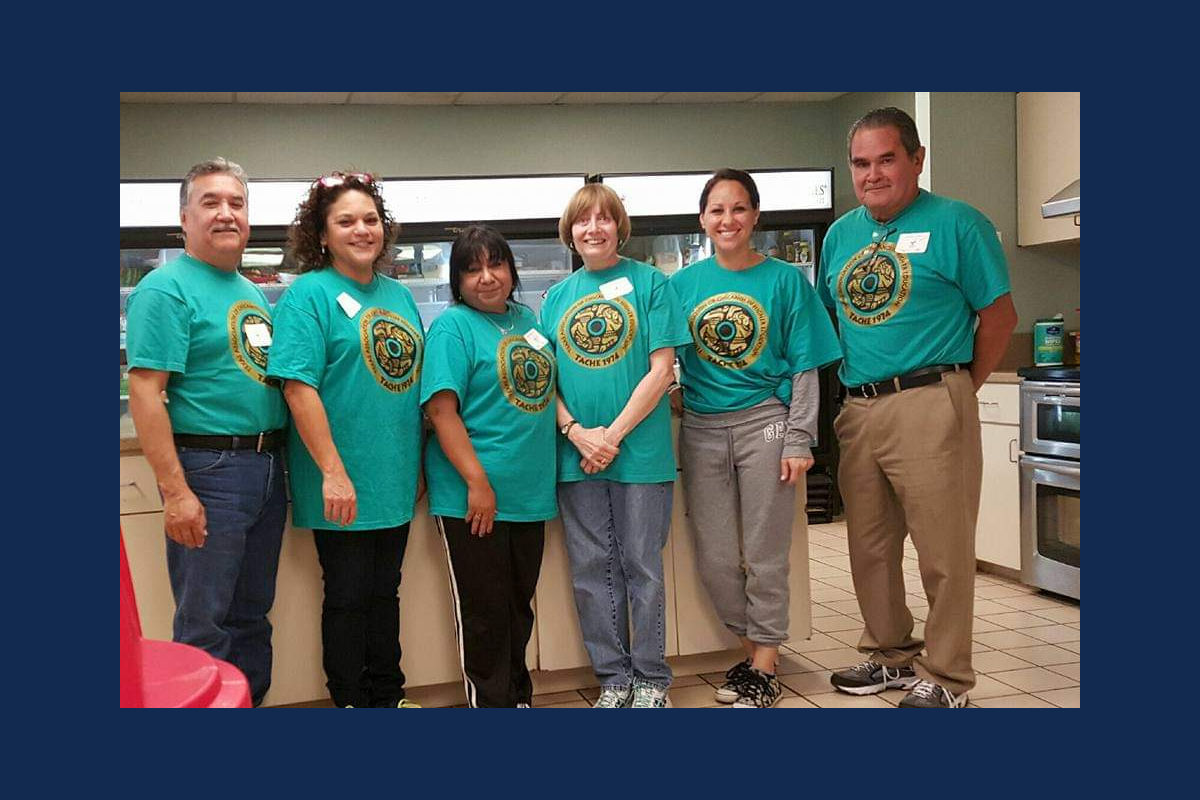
(348, 347)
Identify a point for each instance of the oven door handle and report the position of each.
(1055, 465)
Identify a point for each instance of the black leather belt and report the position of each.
(258, 442)
(911, 380)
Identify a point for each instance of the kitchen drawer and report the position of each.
(139, 491)
(1000, 402)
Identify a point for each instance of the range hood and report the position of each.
(1064, 203)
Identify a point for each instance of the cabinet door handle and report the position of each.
(1011, 457)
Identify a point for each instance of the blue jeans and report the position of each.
(615, 535)
(224, 589)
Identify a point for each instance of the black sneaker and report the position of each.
(927, 694)
(734, 677)
(872, 678)
(758, 690)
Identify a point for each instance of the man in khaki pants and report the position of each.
(908, 273)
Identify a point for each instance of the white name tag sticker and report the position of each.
(348, 304)
(258, 334)
(912, 242)
(535, 339)
(621, 286)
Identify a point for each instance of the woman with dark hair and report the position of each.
(348, 347)
(750, 391)
(615, 324)
(489, 391)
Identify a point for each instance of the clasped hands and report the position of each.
(598, 453)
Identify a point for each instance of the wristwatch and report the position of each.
(563, 430)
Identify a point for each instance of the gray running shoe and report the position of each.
(870, 677)
(614, 697)
(927, 694)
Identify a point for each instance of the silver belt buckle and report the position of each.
(258, 449)
(873, 389)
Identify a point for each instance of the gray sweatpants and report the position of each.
(740, 515)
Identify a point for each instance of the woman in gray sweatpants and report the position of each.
(750, 391)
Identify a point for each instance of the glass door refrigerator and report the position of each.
(796, 208)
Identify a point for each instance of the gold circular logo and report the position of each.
(874, 284)
(251, 359)
(595, 332)
(729, 329)
(526, 375)
(391, 347)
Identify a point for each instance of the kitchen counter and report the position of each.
(1004, 377)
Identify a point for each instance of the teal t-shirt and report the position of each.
(912, 304)
(211, 329)
(366, 367)
(751, 331)
(505, 389)
(604, 324)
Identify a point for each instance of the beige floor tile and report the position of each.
(918, 600)
(893, 696)
(818, 641)
(984, 607)
(847, 607)
(554, 698)
(987, 686)
(843, 582)
(1003, 640)
(1063, 698)
(1061, 614)
(820, 571)
(560, 680)
(1013, 701)
(1074, 625)
(997, 591)
(839, 700)
(996, 661)
(1015, 619)
(919, 629)
(983, 626)
(816, 550)
(826, 594)
(705, 662)
(790, 664)
(1072, 646)
(1043, 655)
(692, 697)
(1034, 679)
(818, 610)
(795, 702)
(848, 637)
(840, 561)
(806, 683)
(572, 704)
(1053, 634)
(1066, 670)
(686, 680)
(836, 622)
(1031, 602)
(976, 647)
(919, 613)
(836, 659)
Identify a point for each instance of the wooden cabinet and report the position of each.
(998, 530)
(1047, 160)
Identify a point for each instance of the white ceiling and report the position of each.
(474, 98)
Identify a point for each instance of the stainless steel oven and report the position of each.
(1049, 470)
(1050, 418)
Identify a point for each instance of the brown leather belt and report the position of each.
(258, 442)
(910, 380)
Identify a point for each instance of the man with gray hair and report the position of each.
(908, 274)
(211, 426)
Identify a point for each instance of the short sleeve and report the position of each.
(298, 346)
(668, 327)
(812, 341)
(447, 364)
(157, 330)
(983, 268)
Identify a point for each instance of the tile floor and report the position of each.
(1026, 652)
(1026, 644)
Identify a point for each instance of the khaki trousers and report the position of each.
(912, 461)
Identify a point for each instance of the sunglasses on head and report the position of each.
(338, 178)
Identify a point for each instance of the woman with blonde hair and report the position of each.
(615, 325)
